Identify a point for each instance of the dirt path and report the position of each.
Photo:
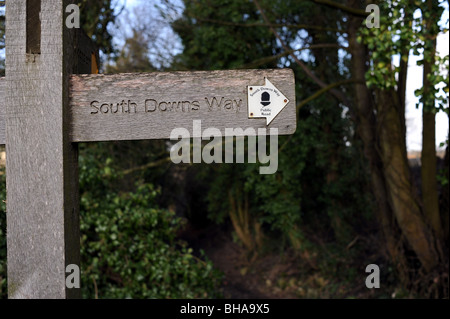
(242, 279)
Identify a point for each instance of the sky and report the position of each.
(413, 114)
(414, 81)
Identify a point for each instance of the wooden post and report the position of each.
(42, 178)
(47, 112)
(2, 112)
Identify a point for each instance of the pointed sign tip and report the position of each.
(265, 101)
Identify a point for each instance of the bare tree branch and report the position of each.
(271, 58)
(336, 93)
(326, 89)
(145, 166)
(316, 95)
(249, 25)
(340, 6)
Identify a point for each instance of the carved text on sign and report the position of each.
(127, 106)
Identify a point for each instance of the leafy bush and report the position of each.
(129, 247)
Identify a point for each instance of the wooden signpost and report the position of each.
(151, 105)
(47, 109)
(2, 112)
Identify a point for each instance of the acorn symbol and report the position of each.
(265, 98)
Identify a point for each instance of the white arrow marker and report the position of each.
(265, 101)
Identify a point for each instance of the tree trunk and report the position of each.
(366, 128)
(396, 171)
(445, 200)
(401, 83)
(383, 136)
(429, 181)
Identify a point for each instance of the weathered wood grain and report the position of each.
(113, 107)
(85, 62)
(41, 164)
(2, 112)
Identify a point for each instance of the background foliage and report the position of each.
(344, 195)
